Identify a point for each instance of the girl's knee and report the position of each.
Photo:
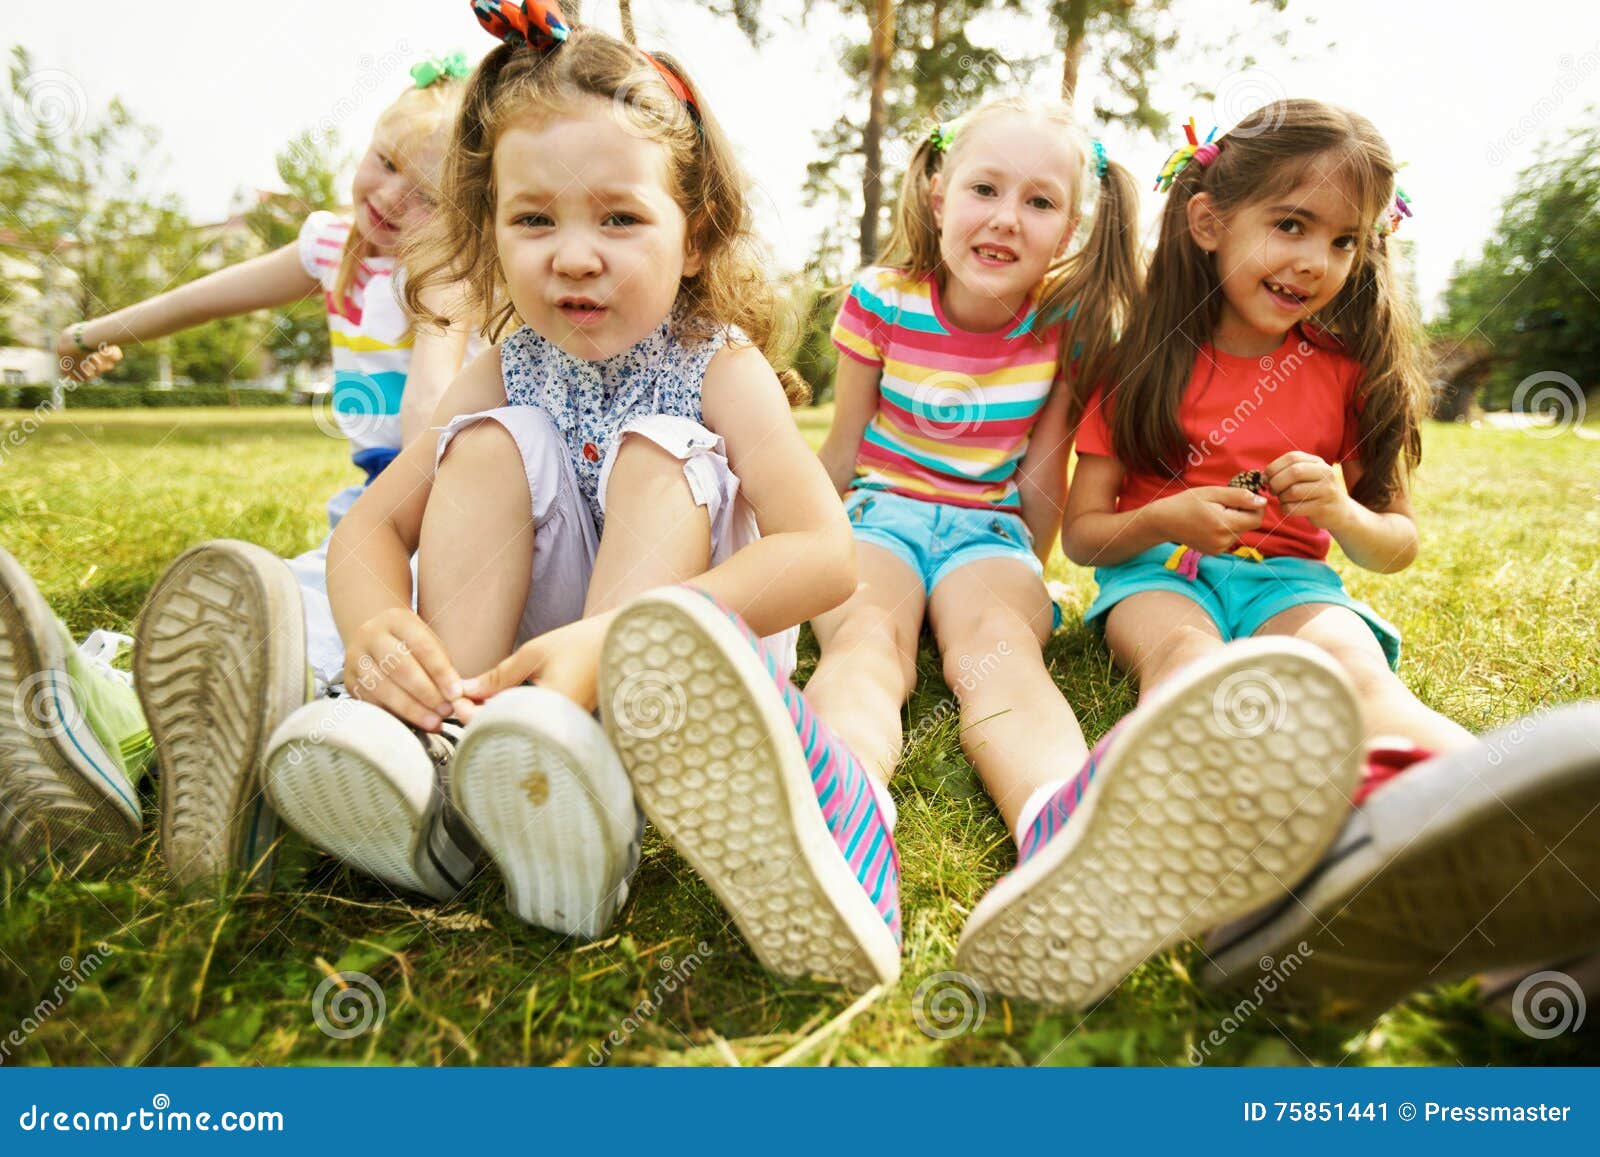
(866, 631)
(1150, 654)
(992, 638)
(641, 459)
(481, 447)
(1366, 668)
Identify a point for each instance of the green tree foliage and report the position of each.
(311, 167)
(86, 232)
(1531, 292)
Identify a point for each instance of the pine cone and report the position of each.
(1253, 480)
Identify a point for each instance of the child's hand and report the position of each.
(396, 661)
(1307, 486)
(566, 659)
(1210, 519)
(80, 365)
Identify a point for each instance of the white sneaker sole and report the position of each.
(718, 768)
(220, 662)
(1485, 858)
(61, 793)
(353, 780)
(541, 788)
(1199, 812)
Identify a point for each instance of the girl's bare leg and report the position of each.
(990, 618)
(869, 659)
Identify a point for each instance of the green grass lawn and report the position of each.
(1499, 616)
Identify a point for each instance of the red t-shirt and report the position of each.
(1242, 414)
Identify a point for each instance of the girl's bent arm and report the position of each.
(855, 402)
(1093, 533)
(369, 559)
(1378, 540)
(276, 278)
(1042, 474)
(804, 562)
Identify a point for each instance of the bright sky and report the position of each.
(1463, 91)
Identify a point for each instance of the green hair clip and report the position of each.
(454, 66)
(941, 137)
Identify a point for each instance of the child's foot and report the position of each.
(368, 790)
(220, 663)
(752, 789)
(73, 742)
(1485, 858)
(542, 789)
(1210, 799)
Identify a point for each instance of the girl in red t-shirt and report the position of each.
(1273, 353)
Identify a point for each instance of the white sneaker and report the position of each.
(544, 792)
(1210, 799)
(362, 786)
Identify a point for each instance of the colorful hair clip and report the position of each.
(1401, 209)
(428, 71)
(1102, 163)
(539, 24)
(941, 138)
(1202, 153)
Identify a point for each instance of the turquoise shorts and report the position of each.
(1239, 594)
(934, 538)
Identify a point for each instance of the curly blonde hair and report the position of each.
(732, 287)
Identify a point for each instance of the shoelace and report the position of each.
(101, 648)
(441, 745)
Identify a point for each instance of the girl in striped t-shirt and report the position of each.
(211, 702)
(377, 353)
(963, 353)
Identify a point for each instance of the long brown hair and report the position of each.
(1091, 289)
(732, 288)
(1268, 154)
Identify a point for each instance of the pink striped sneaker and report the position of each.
(731, 764)
(1209, 800)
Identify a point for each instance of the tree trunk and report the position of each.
(872, 140)
(1073, 26)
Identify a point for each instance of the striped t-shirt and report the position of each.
(371, 340)
(954, 408)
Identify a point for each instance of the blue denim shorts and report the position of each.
(1239, 594)
(934, 538)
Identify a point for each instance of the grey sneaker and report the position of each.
(220, 662)
(1485, 858)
